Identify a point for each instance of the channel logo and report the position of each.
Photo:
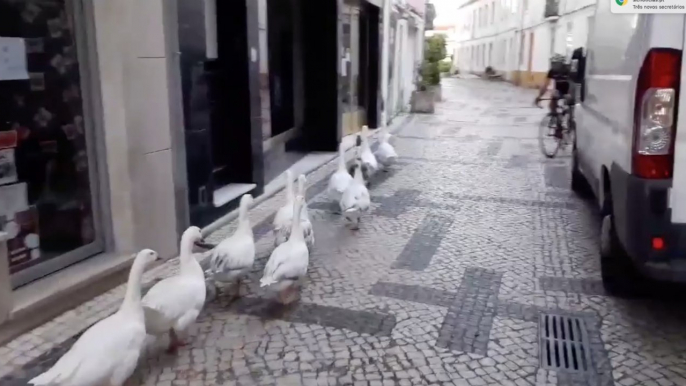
(621, 2)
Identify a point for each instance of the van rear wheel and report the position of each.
(620, 277)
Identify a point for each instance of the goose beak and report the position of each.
(204, 245)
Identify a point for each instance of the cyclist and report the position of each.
(559, 73)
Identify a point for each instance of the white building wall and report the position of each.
(508, 25)
(409, 58)
(408, 41)
(481, 25)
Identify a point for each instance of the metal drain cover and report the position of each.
(564, 343)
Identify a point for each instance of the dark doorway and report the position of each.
(368, 84)
(280, 47)
(320, 37)
(219, 107)
(231, 134)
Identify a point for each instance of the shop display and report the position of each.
(13, 199)
(23, 243)
(8, 168)
(45, 186)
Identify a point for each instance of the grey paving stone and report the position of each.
(516, 201)
(491, 150)
(557, 176)
(363, 322)
(422, 246)
(518, 161)
(520, 244)
(578, 286)
(413, 293)
(396, 204)
(467, 325)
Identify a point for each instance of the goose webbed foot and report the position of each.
(288, 295)
(236, 293)
(175, 342)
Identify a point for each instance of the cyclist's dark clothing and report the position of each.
(561, 78)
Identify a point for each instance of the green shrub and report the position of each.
(434, 53)
(431, 76)
(444, 66)
(434, 48)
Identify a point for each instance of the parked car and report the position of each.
(630, 147)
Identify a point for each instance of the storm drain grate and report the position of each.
(564, 343)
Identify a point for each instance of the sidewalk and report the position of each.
(475, 248)
(33, 352)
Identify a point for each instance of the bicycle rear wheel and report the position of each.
(547, 140)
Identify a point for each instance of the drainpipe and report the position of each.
(384, 60)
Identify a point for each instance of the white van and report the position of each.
(630, 148)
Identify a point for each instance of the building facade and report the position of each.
(124, 122)
(403, 44)
(516, 38)
(91, 145)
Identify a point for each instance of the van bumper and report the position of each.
(642, 213)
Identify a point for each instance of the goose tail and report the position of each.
(53, 377)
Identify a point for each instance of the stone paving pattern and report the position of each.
(472, 237)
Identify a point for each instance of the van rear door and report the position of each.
(677, 196)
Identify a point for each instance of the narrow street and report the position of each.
(474, 249)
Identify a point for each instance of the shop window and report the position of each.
(47, 203)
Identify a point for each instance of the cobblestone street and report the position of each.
(476, 266)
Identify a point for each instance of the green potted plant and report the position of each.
(429, 76)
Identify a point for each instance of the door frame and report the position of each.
(82, 15)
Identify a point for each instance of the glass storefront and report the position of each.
(353, 113)
(47, 174)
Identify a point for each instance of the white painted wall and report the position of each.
(477, 26)
(409, 58)
(482, 24)
(408, 53)
(134, 58)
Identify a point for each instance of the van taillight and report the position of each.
(657, 93)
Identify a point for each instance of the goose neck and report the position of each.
(188, 263)
(132, 298)
(341, 159)
(289, 187)
(296, 228)
(244, 222)
(358, 174)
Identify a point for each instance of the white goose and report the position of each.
(386, 154)
(355, 201)
(235, 255)
(174, 303)
(284, 216)
(340, 180)
(107, 353)
(305, 223)
(368, 158)
(288, 263)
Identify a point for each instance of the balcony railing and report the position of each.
(552, 8)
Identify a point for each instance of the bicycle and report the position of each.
(559, 125)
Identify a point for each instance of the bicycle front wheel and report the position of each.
(547, 140)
